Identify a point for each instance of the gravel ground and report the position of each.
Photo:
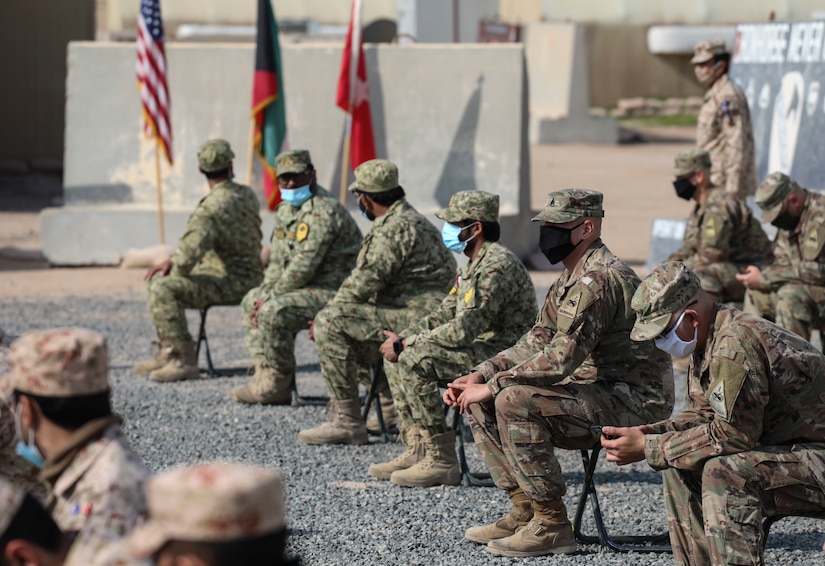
(338, 514)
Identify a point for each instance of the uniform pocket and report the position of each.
(529, 448)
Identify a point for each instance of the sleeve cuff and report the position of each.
(653, 452)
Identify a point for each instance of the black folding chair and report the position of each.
(202, 338)
(460, 426)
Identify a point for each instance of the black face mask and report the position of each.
(786, 221)
(684, 188)
(555, 242)
(370, 216)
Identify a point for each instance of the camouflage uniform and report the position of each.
(750, 444)
(218, 258)
(95, 480)
(577, 366)
(491, 304)
(792, 289)
(724, 129)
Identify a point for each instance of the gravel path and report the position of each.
(339, 515)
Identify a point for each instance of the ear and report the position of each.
(28, 412)
(19, 551)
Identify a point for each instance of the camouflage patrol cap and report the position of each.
(209, 502)
(215, 155)
(707, 50)
(375, 176)
(293, 161)
(470, 205)
(771, 194)
(663, 292)
(686, 162)
(570, 204)
(11, 497)
(63, 362)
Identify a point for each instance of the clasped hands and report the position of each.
(466, 390)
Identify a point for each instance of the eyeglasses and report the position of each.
(297, 179)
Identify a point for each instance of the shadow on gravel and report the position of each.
(602, 478)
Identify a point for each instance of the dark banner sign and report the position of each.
(781, 68)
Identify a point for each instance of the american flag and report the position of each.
(151, 75)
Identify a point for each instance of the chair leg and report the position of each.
(210, 368)
(306, 400)
(468, 478)
(373, 398)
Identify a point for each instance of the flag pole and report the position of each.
(159, 192)
(345, 157)
(251, 159)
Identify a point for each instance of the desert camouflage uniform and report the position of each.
(751, 443)
(721, 237)
(402, 272)
(577, 366)
(793, 287)
(724, 129)
(490, 306)
(313, 250)
(217, 260)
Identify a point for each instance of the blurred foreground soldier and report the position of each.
(217, 260)
(722, 236)
(751, 443)
(212, 514)
(575, 368)
(492, 303)
(28, 534)
(724, 128)
(402, 273)
(791, 290)
(314, 245)
(65, 425)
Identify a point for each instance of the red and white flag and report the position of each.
(353, 94)
(151, 76)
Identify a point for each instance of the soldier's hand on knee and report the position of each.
(311, 325)
(253, 316)
(387, 347)
(162, 268)
(471, 393)
(751, 278)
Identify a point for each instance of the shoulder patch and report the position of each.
(812, 242)
(728, 377)
(711, 228)
(302, 232)
(573, 304)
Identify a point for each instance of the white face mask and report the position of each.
(675, 346)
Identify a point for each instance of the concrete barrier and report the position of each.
(453, 117)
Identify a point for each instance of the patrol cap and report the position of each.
(707, 50)
(11, 498)
(215, 155)
(293, 161)
(570, 204)
(209, 502)
(63, 362)
(771, 194)
(686, 162)
(663, 292)
(470, 205)
(375, 176)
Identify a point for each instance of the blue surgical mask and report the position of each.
(675, 346)
(296, 197)
(450, 236)
(27, 451)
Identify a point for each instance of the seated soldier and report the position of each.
(402, 273)
(314, 245)
(28, 534)
(576, 367)
(218, 259)
(751, 443)
(59, 380)
(791, 290)
(490, 306)
(722, 236)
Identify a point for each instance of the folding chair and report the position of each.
(303, 400)
(376, 378)
(767, 522)
(202, 339)
(625, 543)
(468, 478)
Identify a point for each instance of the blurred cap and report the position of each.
(375, 176)
(771, 194)
(686, 162)
(215, 155)
(470, 205)
(293, 161)
(663, 292)
(707, 50)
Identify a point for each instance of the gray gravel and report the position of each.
(338, 514)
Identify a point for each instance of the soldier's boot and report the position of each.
(519, 515)
(159, 360)
(267, 387)
(548, 532)
(392, 420)
(439, 467)
(411, 436)
(344, 425)
(181, 364)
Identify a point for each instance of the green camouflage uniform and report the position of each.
(402, 272)
(792, 290)
(491, 304)
(217, 260)
(751, 443)
(576, 367)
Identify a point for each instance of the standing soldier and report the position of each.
(724, 128)
(314, 245)
(402, 273)
(217, 260)
(492, 303)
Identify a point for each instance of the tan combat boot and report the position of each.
(345, 425)
(159, 360)
(440, 467)
(180, 365)
(392, 420)
(411, 436)
(267, 387)
(519, 516)
(548, 532)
